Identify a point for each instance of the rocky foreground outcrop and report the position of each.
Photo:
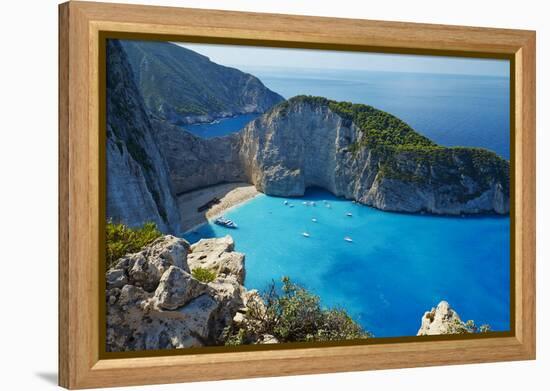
(154, 302)
(360, 153)
(444, 320)
(440, 320)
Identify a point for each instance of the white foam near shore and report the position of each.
(229, 194)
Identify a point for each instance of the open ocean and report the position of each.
(452, 110)
(399, 265)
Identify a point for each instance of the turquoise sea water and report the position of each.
(221, 127)
(397, 267)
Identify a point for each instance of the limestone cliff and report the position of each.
(361, 153)
(195, 162)
(154, 301)
(138, 184)
(444, 320)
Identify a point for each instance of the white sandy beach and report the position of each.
(229, 194)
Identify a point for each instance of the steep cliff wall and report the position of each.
(361, 153)
(195, 162)
(138, 183)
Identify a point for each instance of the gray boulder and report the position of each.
(177, 288)
(218, 256)
(153, 302)
(440, 320)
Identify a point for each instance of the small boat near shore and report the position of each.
(225, 222)
(305, 234)
(349, 214)
(348, 239)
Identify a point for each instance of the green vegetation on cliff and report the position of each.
(121, 239)
(294, 314)
(203, 275)
(178, 82)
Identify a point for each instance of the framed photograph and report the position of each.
(246, 195)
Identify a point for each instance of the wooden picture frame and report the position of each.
(82, 26)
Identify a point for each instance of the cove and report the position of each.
(221, 127)
(397, 267)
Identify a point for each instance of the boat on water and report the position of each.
(349, 214)
(225, 222)
(286, 202)
(305, 234)
(348, 239)
(314, 220)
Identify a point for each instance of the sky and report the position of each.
(250, 57)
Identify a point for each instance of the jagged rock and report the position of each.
(169, 250)
(267, 339)
(146, 267)
(153, 302)
(440, 320)
(177, 288)
(217, 255)
(116, 278)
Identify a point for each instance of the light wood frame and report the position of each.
(80, 166)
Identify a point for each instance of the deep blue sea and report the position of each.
(397, 267)
(452, 110)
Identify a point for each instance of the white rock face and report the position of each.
(153, 302)
(440, 320)
(195, 162)
(303, 144)
(218, 256)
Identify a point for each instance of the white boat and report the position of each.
(314, 220)
(349, 214)
(348, 239)
(286, 202)
(328, 205)
(305, 203)
(225, 222)
(305, 234)
(290, 206)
